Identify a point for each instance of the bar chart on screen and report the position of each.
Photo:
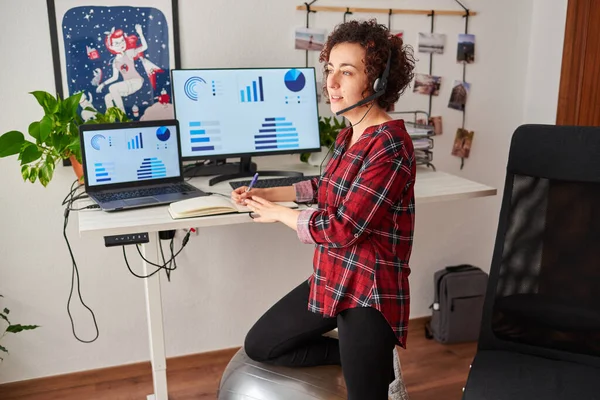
(205, 135)
(253, 92)
(103, 171)
(152, 168)
(276, 133)
(136, 142)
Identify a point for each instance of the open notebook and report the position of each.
(211, 205)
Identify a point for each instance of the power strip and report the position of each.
(122, 240)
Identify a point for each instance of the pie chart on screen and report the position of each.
(163, 134)
(294, 80)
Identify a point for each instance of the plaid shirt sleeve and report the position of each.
(306, 190)
(377, 187)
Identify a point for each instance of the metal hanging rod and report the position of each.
(386, 10)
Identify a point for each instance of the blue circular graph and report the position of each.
(96, 141)
(294, 80)
(189, 87)
(163, 133)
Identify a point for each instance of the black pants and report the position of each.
(288, 334)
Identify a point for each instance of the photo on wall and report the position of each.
(431, 42)
(462, 143)
(118, 56)
(427, 84)
(436, 122)
(465, 52)
(310, 39)
(459, 94)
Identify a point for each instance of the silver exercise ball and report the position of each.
(245, 379)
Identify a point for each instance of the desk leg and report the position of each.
(155, 320)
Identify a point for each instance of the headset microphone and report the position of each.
(379, 87)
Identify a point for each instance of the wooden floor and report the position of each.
(432, 371)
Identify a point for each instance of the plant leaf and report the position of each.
(2, 348)
(6, 311)
(33, 174)
(4, 317)
(47, 101)
(46, 173)
(25, 172)
(42, 177)
(30, 153)
(34, 130)
(11, 143)
(45, 128)
(19, 328)
(69, 107)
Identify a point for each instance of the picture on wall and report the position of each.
(432, 42)
(437, 124)
(310, 39)
(118, 53)
(459, 94)
(462, 143)
(427, 84)
(466, 48)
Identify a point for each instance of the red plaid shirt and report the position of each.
(363, 226)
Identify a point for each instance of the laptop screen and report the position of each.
(131, 154)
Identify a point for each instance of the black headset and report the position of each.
(379, 87)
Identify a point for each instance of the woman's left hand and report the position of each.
(267, 211)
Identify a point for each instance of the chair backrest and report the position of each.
(543, 294)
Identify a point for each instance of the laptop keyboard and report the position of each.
(132, 194)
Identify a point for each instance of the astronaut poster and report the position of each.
(118, 54)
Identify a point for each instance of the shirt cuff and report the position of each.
(304, 191)
(302, 224)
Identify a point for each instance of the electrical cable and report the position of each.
(68, 201)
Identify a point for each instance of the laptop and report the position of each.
(134, 164)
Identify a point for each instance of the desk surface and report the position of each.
(430, 187)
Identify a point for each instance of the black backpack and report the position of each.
(459, 293)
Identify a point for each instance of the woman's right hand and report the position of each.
(239, 195)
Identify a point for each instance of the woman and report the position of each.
(123, 64)
(362, 228)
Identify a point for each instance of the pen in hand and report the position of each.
(252, 183)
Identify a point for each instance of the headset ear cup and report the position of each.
(376, 85)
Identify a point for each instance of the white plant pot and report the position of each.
(315, 159)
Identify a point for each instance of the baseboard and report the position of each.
(96, 376)
(108, 374)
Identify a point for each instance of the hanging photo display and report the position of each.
(462, 143)
(310, 39)
(427, 84)
(466, 49)
(432, 42)
(459, 94)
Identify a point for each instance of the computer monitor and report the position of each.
(244, 112)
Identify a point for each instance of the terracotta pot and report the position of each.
(77, 168)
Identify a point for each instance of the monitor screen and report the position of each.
(240, 112)
(126, 155)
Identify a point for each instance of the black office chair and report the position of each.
(540, 330)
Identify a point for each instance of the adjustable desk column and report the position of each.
(155, 320)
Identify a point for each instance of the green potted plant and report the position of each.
(329, 128)
(55, 137)
(10, 328)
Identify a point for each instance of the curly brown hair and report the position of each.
(378, 42)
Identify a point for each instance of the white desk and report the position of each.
(430, 187)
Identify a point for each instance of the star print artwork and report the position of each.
(119, 57)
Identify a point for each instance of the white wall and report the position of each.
(215, 296)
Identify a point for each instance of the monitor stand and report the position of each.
(247, 169)
(214, 167)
